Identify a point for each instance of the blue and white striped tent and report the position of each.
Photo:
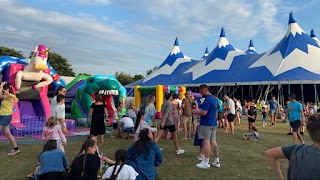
(294, 60)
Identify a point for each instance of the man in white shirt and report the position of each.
(127, 126)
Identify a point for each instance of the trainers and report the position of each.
(216, 164)
(203, 165)
(200, 157)
(180, 151)
(13, 152)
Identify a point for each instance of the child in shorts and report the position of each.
(115, 128)
(264, 116)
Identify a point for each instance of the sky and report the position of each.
(105, 36)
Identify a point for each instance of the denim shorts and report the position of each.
(5, 120)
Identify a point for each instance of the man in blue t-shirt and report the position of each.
(208, 127)
(220, 111)
(296, 117)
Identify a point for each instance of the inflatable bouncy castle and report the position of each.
(30, 80)
(113, 94)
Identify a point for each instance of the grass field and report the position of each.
(240, 159)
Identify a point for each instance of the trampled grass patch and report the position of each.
(240, 159)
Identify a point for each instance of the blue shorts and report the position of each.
(264, 119)
(5, 120)
(197, 141)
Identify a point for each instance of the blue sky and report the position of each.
(105, 36)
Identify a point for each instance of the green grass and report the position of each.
(240, 159)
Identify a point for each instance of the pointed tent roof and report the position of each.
(167, 72)
(314, 37)
(220, 58)
(251, 48)
(296, 53)
(206, 53)
(173, 55)
(222, 48)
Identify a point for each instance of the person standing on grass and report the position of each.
(168, 124)
(304, 159)
(231, 111)
(187, 115)
(176, 110)
(7, 103)
(151, 111)
(220, 112)
(98, 113)
(273, 106)
(252, 115)
(52, 131)
(296, 117)
(54, 103)
(208, 127)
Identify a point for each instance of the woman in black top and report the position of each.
(86, 165)
(99, 113)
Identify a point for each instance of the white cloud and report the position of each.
(138, 35)
(93, 2)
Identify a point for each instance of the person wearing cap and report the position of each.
(187, 115)
(231, 111)
(296, 116)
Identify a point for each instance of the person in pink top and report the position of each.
(142, 124)
(52, 131)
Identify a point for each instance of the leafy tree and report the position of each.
(5, 51)
(60, 64)
(123, 78)
(85, 74)
(151, 70)
(137, 77)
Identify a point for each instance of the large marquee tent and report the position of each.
(293, 65)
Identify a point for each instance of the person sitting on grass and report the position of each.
(120, 170)
(303, 158)
(52, 162)
(144, 155)
(142, 124)
(106, 160)
(87, 163)
(254, 135)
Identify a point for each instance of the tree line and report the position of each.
(63, 67)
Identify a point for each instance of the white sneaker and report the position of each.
(13, 152)
(180, 151)
(216, 164)
(200, 157)
(203, 165)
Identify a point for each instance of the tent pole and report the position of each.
(315, 93)
(302, 93)
(242, 93)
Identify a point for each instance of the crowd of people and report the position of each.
(199, 120)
